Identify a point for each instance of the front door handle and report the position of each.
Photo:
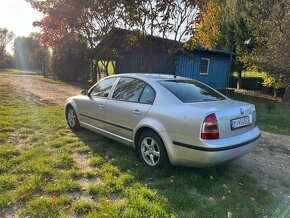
(101, 105)
(136, 112)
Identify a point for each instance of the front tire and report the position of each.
(72, 119)
(152, 151)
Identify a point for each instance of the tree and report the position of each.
(70, 63)
(7, 61)
(91, 20)
(272, 36)
(259, 32)
(235, 35)
(167, 19)
(88, 20)
(6, 37)
(206, 32)
(28, 53)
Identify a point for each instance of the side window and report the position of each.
(204, 66)
(103, 88)
(128, 89)
(148, 95)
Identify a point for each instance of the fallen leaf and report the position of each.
(165, 200)
(53, 199)
(99, 174)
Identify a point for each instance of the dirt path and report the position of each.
(53, 93)
(269, 163)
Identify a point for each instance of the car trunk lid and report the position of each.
(233, 117)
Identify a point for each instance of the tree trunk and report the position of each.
(107, 68)
(275, 92)
(44, 68)
(94, 72)
(239, 83)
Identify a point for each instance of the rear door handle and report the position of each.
(101, 106)
(136, 112)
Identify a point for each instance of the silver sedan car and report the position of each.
(167, 119)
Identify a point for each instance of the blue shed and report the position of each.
(210, 67)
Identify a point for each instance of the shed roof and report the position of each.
(118, 38)
(215, 51)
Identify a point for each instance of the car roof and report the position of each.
(152, 76)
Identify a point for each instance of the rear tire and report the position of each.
(72, 119)
(151, 150)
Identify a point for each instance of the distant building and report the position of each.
(133, 52)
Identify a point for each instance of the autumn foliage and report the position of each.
(206, 32)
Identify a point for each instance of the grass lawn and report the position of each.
(16, 71)
(250, 74)
(272, 116)
(48, 171)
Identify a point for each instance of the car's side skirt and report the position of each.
(108, 134)
(113, 124)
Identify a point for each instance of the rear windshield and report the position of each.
(191, 91)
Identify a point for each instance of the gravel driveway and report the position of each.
(269, 163)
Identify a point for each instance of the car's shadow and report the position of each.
(126, 159)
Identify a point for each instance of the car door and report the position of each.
(131, 100)
(92, 109)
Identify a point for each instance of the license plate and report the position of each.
(241, 122)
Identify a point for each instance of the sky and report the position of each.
(18, 16)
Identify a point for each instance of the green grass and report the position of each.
(272, 115)
(250, 74)
(16, 71)
(40, 176)
(49, 80)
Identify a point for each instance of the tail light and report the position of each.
(210, 128)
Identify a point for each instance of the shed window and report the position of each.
(204, 66)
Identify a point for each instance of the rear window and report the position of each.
(191, 91)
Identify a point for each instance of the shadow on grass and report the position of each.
(177, 178)
(125, 158)
(189, 191)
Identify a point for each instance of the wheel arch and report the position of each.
(143, 128)
(72, 104)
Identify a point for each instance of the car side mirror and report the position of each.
(84, 92)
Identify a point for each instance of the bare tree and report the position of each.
(6, 37)
(171, 19)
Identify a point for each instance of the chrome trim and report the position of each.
(107, 132)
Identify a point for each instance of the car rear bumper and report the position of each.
(213, 152)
